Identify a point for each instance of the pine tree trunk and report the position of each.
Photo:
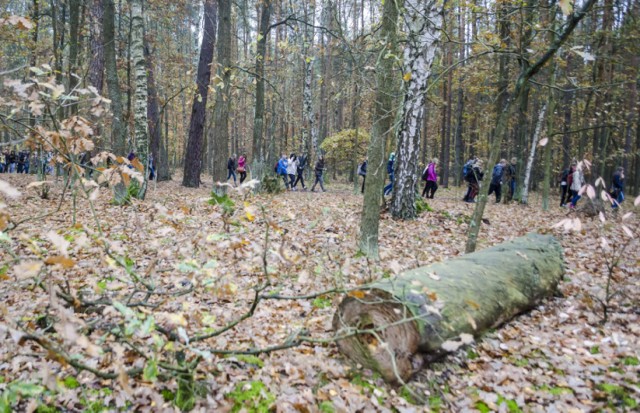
(118, 126)
(219, 134)
(432, 310)
(259, 153)
(140, 98)
(193, 154)
(423, 20)
(382, 130)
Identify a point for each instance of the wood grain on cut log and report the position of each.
(435, 309)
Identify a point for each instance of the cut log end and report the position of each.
(389, 340)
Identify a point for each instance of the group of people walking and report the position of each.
(291, 169)
(12, 162)
(572, 180)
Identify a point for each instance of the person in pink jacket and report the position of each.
(431, 176)
(242, 167)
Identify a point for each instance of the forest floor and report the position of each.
(558, 357)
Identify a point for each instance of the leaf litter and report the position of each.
(557, 357)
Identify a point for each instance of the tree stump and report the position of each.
(435, 309)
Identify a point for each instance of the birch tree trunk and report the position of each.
(382, 129)
(193, 154)
(532, 154)
(307, 108)
(423, 20)
(140, 98)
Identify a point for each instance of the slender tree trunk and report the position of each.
(219, 135)
(153, 112)
(423, 20)
(140, 102)
(532, 154)
(118, 126)
(72, 68)
(96, 64)
(259, 155)
(381, 130)
(193, 155)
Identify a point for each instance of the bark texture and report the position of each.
(259, 153)
(381, 131)
(423, 20)
(193, 154)
(140, 97)
(118, 126)
(96, 65)
(532, 154)
(426, 312)
(219, 134)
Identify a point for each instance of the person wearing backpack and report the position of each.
(617, 186)
(564, 186)
(496, 179)
(242, 167)
(362, 171)
(430, 175)
(473, 178)
(576, 185)
(319, 171)
(281, 169)
(390, 164)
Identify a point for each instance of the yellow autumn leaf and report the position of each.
(407, 76)
(59, 259)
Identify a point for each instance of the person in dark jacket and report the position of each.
(473, 178)
(362, 171)
(231, 168)
(319, 171)
(302, 164)
(390, 171)
(565, 184)
(496, 179)
(12, 161)
(617, 186)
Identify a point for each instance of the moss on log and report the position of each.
(435, 309)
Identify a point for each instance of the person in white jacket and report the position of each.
(292, 169)
(576, 185)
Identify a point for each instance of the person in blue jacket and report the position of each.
(282, 170)
(617, 192)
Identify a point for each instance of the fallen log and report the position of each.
(390, 326)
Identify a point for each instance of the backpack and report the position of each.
(425, 173)
(360, 172)
(467, 168)
(565, 175)
(497, 174)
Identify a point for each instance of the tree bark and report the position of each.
(96, 64)
(259, 153)
(423, 20)
(140, 98)
(153, 114)
(381, 130)
(74, 46)
(118, 126)
(193, 154)
(434, 309)
(219, 134)
(532, 154)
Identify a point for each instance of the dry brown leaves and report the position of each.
(558, 357)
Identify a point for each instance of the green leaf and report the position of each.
(26, 389)
(150, 372)
(71, 382)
